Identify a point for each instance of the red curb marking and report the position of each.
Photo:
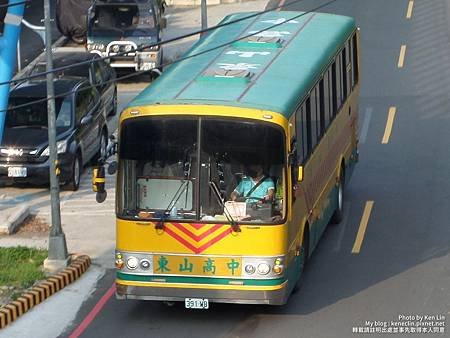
(94, 312)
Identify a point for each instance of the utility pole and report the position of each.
(8, 43)
(204, 15)
(57, 248)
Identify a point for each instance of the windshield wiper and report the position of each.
(234, 224)
(184, 184)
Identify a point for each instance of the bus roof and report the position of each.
(269, 71)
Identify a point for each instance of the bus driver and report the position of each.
(254, 187)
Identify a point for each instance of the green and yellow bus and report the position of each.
(276, 111)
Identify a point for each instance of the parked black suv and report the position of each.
(98, 72)
(80, 126)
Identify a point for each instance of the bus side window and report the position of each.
(344, 82)
(302, 134)
(306, 139)
(314, 118)
(348, 67)
(325, 101)
(333, 89)
(319, 111)
(311, 125)
(354, 59)
(338, 88)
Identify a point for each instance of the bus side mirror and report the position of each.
(300, 174)
(98, 184)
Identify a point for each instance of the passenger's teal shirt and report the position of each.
(261, 191)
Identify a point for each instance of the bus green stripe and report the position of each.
(199, 280)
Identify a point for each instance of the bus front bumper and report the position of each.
(275, 296)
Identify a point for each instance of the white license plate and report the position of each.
(196, 303)
(17, 172)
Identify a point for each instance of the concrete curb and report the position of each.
(37, 294)
(14, 219)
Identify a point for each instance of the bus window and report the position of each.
(293, 130)
(325, 99)
(355, 59)
(343, 57)
(297, 117)
(338, 87)
(314, 121)
(348, 67)
(306, 134)
(319, 111)
(311, 124)
(334, 90)
(160, 169)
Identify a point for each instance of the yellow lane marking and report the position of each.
(389, 124)
(362, 227)
(410, 9)
(401, 57)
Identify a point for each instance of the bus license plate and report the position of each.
(196, 303)
(17, 172)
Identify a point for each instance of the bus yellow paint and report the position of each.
(410, 9)
(203, 110)
(362, 227)
(401, 57)
(389, 124)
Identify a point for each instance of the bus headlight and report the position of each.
(132, 263)
(250, 269)
(145, 264)
(263, 268)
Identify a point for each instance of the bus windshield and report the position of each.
(240, 174)
(122, 20)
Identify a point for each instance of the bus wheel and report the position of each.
(304, 250)
(338, 214)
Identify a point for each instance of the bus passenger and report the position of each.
(254, 187)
